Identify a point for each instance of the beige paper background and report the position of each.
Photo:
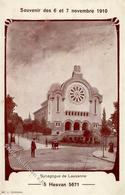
(105, 184)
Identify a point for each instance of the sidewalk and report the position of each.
(14, 156)
(15, 148)
(107, 155)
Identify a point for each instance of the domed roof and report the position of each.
(95, 90)
(55, 87)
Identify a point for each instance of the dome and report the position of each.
(95, 90)
(55, 87)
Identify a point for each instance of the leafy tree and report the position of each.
(46, 131)
(18, 125)
(13, 119)
(10, 106)
(43, 123)
(86, 135)
(28, 127)
(105, 130)
(86, 132)
(36, 126)
(16, 119)
(115, 117)
(104, 117)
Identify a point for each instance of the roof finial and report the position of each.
(77, 68)
(77, 71)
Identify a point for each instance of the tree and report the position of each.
(115, 117)
(87, 135)
(9, 109)
(28, 127)
(47, 131)
(36, 126)
(16, 119)
(43, 123)
(86, 132)
(104, 117)
(10, 106)
(18, 125)
(105, 130)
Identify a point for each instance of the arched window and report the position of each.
(95, 106)
(85, 126)
(67, 126)
(76, 126)
(57, 103)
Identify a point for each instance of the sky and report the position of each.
(40, 53)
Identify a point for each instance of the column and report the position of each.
(81, 127)
(72, 127)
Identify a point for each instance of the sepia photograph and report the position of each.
(62, 95)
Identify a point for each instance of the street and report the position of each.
(64, 158)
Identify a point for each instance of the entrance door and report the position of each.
(76, 126)
(85, 126)
(67, 126)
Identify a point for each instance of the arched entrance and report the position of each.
(85, 126)
(76, 126)
(67, 126)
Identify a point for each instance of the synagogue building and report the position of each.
(72, 107)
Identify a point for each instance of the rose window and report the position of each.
(77, 93)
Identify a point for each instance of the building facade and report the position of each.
(72, 107)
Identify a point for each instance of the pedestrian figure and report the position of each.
(111, 147)
(52, 144)
(46, 142)
(57, 145)
(33, 148)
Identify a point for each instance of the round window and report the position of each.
(77, 94)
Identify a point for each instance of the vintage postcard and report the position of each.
(62, 100)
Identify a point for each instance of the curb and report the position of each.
(103, 159)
